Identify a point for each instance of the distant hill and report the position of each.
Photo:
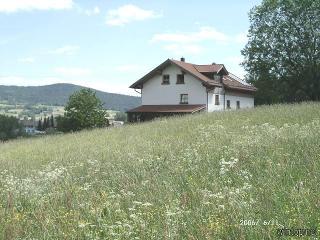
(58, 94)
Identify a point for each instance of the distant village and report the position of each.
(46, 125)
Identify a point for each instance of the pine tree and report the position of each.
(48, 122)
(39, 128)
(44, 126)
(52, 121)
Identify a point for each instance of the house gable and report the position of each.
(203, 73)
(156, 93)
(186, 67)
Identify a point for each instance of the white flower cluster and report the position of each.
(35, 184)
(225, 166)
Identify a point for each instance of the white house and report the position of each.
(178, 87)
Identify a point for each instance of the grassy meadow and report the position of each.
(228, 175)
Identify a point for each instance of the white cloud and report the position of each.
(241, 38)
(128, 13)
(235, 59)
(129, 68)
(26, 60)
(73, 71)
(204, 34)
(93, 11)
(12, 80)
(233, 65)
(193, 42)
(181, 49)
(190, 42)
(28, 81)
(10, 6)
(65, 50)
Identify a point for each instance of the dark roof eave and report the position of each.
(251, 89)
(208, 85)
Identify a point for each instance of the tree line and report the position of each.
(47, 122)
(282, 56)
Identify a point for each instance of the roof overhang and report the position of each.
(223, 70)
(158, 70)
(240, 89)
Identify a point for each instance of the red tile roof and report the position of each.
(229, 80)
(209, 68)
(168, 108)
(193, 71)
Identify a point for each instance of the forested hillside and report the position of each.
(58, 94)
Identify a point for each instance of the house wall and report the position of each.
(154, 93)
(246, 100)
(211, 100)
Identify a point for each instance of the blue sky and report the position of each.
(108, 44)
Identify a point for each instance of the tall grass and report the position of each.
(192, 177)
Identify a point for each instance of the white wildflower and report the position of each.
(221, 207)
(147, 204)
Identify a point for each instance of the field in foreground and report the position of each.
(194, 177)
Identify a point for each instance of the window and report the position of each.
(216, 77)
(217, 100)
(183, 98)
(165, 79)
(228, 104)
(180, 79)
(238, 104)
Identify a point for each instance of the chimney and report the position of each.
(182, 59)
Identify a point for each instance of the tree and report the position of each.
(282, 55)
(52, 121)
(64, 124)
(10, 128)
(120, 116)
(39, 127)
(45, 124)
(48, 123)
(83, 111)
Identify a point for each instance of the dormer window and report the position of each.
(166, 79)
(180, 78)
(216, 77)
